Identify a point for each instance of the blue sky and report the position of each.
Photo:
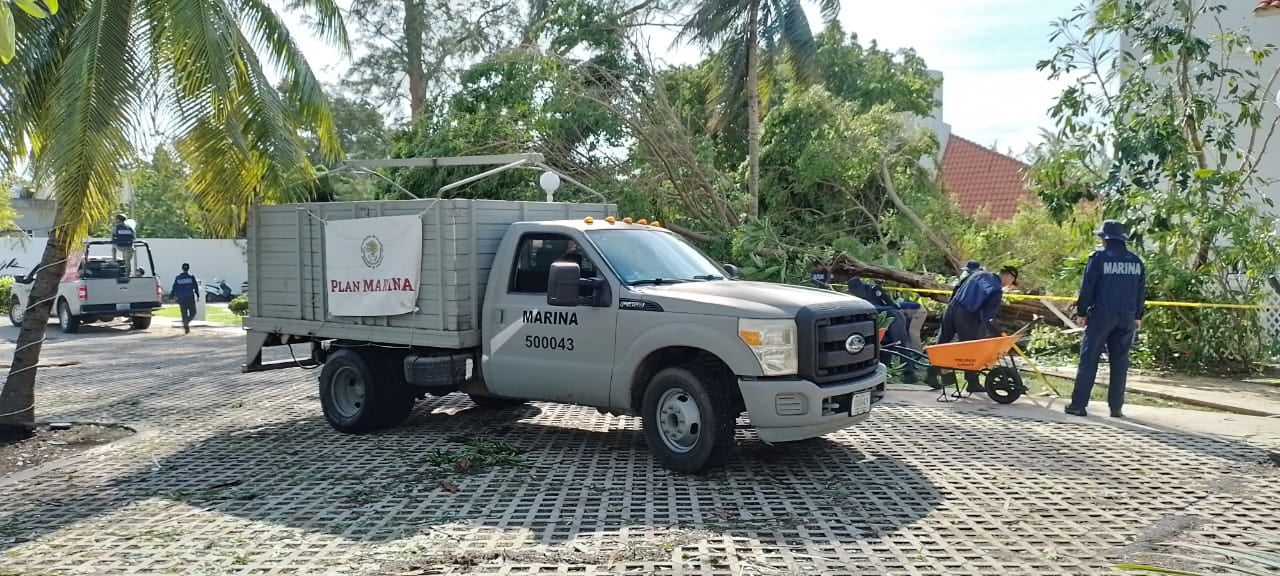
(986, 49)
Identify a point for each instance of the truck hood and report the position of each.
(742, 299)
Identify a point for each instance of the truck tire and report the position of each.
(492, 403)
(68, 323)
(358, 394)
(140, 322)
(689, 418)
(16, 311)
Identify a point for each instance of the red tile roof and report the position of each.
(979, 177)
(1267, 7)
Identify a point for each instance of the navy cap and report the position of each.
(971, 265)
(1112, 230)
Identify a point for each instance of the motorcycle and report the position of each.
(218, 291)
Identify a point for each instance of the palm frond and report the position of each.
(301, 87)
(237, 132)
(797, 38)
(714, 22)
(86, 112)
(1260, 560)
(327, 21)
(25, 82)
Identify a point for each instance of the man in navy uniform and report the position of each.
(821, 276)
(973, 310)
(122, 237)
(1112, 297)
(898, 331)
(185, 292)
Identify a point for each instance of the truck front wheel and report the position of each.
(359, 393)
(688, 419)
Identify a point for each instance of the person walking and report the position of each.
(898, 332)
(122, 238)
(185, 291)
(972, 315)
(1113, 296)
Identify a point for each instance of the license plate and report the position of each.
(861, 404)
(122, 307)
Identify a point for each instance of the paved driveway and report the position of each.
(239, 474)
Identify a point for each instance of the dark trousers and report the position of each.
(897, 333)
(1116, 334)
(962, 325)
(188, 309)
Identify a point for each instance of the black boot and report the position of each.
(1072, 410)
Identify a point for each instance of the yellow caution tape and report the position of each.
(1069, 299)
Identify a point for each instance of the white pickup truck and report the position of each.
(97, 287)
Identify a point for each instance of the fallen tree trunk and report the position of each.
(1013, 314)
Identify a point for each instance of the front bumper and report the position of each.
(786, 410)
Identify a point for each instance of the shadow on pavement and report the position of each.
(565, 483)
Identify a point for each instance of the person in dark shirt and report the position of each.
(820, 276)
(1113, 296)
(973, 310)
(186, 292)
(122, 238)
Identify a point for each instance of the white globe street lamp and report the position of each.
(550, 182)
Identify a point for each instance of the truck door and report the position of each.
(538, 352)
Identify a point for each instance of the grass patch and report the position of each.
(213, 313)
(477, 454)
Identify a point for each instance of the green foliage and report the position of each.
(6, 292)
(239, 305)
(161, 204)
(1050, 255)
(868, 76)
(1178, 114)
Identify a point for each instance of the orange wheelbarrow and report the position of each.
(991, 357)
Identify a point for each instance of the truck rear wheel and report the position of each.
(359, 392)
(66, 321)
(688, 419)
(140, 322)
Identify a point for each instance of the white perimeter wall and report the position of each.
(209, 259)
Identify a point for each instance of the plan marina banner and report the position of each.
(372, 265)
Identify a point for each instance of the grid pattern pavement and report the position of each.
(239, 474)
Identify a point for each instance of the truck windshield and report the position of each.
(653, 257)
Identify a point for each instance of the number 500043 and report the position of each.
(548, 343)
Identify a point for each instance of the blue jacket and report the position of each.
(980, 294)
(123, 236)
(1114, 284)
(184, 287)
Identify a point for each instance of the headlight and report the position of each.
(773, 342)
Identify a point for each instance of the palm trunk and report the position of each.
(753, 107)
(17, 401)
(413, 29)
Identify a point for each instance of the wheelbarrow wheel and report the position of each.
(1004, 385)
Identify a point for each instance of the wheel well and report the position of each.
(678, 356)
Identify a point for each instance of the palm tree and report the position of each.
(743, 31)
(85, 78)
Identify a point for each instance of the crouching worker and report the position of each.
(972, 315)
(898, 331)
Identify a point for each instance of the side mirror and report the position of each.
(562, 284)
(731, 270)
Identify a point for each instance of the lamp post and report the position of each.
(550, 182)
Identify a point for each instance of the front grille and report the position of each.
(823, 331)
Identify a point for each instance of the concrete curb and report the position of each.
(1139, 388)
(139, 433)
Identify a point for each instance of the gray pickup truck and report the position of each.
(559, 302)
(98, 287)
